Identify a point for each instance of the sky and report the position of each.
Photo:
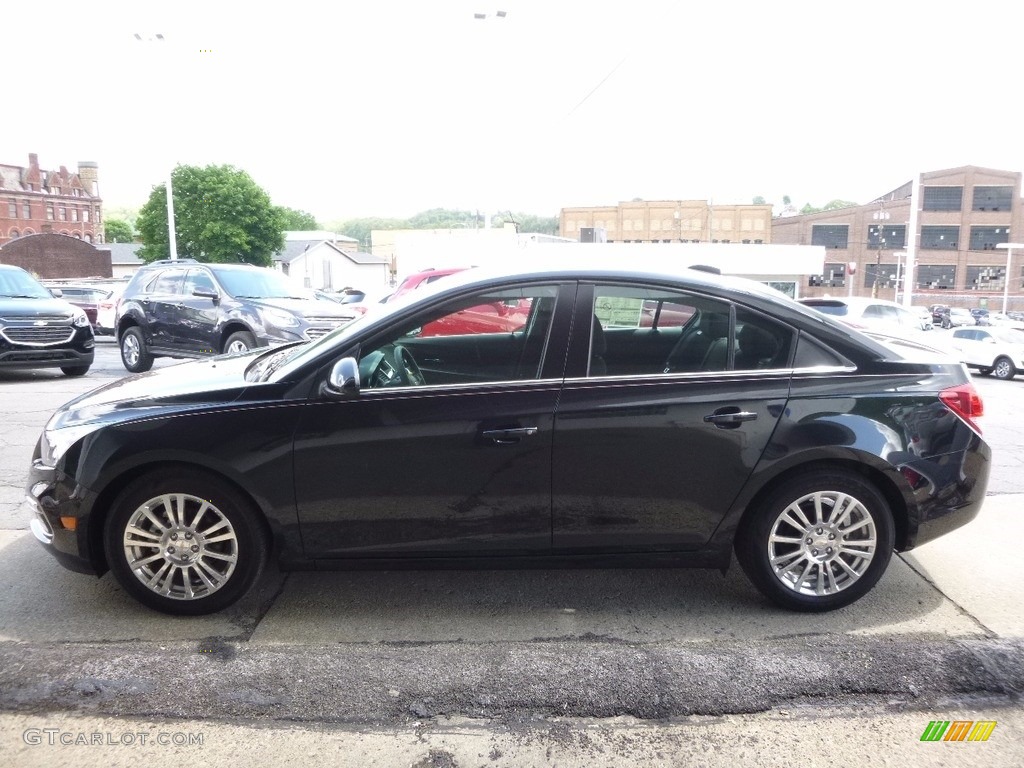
(389, 107)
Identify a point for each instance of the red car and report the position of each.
(496, 317)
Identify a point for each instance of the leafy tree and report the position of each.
(528, 222)
(299, 221)
(759, 200)
(832, 205)
(118, 231)
(786, 200)
(221, 215)
(360, 228)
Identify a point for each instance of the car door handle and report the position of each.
(728, 418)
(509, 436)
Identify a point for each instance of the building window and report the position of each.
(834, 276)
(62, 212)
(12, 209)
(886, 275)
(26, 209)
(74, 214)
(943, 198)
(49, 211)
(993, 198)
(936, 276)
(982, 278)
(892, 236)
(831, 235)
(14, 234)
(85, 213)
(758, 242)
(941, 238)
(985, 238)
(88, 238)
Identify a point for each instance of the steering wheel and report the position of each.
(408, 370)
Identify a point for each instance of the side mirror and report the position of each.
(207, 293)
(343, 380)
(57, 293)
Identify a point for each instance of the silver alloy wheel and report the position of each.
(237, 347)
(822, 543)
(1003, 368)
(180, 546)
(130, 349)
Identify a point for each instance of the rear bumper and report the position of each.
(948, 491)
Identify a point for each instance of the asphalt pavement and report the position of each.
(617, 667)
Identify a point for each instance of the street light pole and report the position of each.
(171, 236)
(1009, 259)
(880, 216)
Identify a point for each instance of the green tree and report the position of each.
(118, 231)
(220, 215)
(299, 221)
(759, 200)
(832, 205)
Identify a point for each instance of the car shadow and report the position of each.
(45, 602)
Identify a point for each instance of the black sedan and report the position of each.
(633, 418)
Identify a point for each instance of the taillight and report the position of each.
(965, 402)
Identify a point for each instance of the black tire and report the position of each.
(75, 370)
(204, 522)
(813, 550)
(239, 339)
(134, 355)
(1003, 368)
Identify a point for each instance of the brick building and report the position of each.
(35, 201)
(49, 256)
(670, 221)
(963, 214)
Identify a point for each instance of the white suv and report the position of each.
(992, 350)
(877, 315)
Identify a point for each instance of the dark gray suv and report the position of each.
(184, 308)
(39, 330)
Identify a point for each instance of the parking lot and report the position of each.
(942, 633)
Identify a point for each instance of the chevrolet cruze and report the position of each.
(635, 418)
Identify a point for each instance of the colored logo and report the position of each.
(958, 730)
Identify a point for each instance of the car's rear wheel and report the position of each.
(817, 542)
(238, 342)
(1003, 368)
(185, 542)
(134, 355)
(75, 370)
(985, 371)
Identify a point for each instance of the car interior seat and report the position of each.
(757, 348)
(691, 350)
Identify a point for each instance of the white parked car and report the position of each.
(991, 349)
(868, 314)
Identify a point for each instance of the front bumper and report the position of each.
(53, 497)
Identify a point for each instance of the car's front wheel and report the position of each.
(75, 370)
(238, 342)
(817, 542)
(184, 542)
(134, 355)
(1003, 368)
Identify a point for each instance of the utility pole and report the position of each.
(880, 216)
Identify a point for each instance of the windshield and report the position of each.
(15, 283)
(257, 284)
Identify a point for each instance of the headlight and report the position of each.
(280, 319)
(56, 442)
(79, 320)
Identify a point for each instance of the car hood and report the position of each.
(30, 308)
(177, 388)
(307, 307)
